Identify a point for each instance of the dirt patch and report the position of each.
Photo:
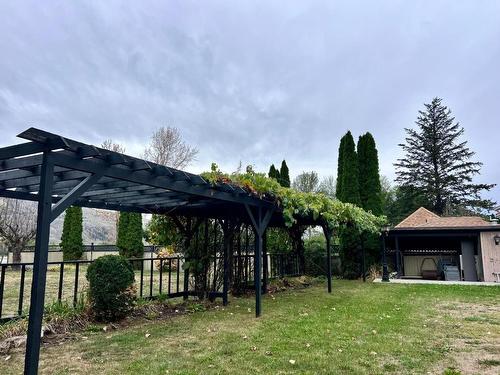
(475, 345)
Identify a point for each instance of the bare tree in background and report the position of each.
(168, 148)
(17, 225)
(327, 186)
(108, 144)
(306, 182)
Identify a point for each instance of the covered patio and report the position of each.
(426, 246)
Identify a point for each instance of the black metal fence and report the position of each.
(66, 281)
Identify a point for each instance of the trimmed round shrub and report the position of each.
(111, 287)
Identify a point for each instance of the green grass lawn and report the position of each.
(358, 329)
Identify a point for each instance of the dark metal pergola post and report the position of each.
(363, 260)
(227, 244)
(39, 266)
(264, 262)
(328, 235)
(259, 222)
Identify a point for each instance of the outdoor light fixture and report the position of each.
(497, 239)
(385, 271)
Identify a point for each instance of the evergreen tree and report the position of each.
(130, 233)
(121, 235)
(438, 163)
(274, 173)
(349, 175)
(370, 192)
(340, 165)
(71, 239)
(348, 191)
(135, 235)
(284, 175)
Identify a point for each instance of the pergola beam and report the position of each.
(73, 195)
(146, 178)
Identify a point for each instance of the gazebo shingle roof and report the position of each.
(423, 218)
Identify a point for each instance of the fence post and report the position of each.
(21, 291)
(2, 283)
(75, 292)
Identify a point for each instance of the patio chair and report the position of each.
(429, 269)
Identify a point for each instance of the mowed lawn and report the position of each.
(358, 329)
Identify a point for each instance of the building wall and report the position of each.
(490, 255)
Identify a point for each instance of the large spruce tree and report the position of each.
(284, 175)
(438, 163)
(370, 192)
(348, 191)
(71, 239)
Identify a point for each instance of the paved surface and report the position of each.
(440, 282)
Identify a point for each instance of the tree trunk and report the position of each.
(16, 250)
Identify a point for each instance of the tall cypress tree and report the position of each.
(349, 183)
(438, 163)
(370, 191)
(135, 235)
(348, 191)
(340, 166)
(71, 239)
(284, 175)
(130, 233)
(121, 235)
(273, 172)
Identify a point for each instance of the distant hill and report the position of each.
(99, 227)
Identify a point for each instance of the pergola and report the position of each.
(58, 172)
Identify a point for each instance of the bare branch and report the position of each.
(167, 148)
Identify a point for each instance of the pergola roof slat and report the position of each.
(126, 181)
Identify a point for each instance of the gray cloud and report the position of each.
(253, 82)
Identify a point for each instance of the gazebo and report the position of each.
(58, 172)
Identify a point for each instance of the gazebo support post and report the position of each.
(398, 258)
(259, 222)
(228, 228)
(45, 215)
(39, 267)
(328, 236)
(264, 262)
(363, 260)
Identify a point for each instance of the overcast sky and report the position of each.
(251, 81)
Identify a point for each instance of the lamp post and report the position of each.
(385, 271)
